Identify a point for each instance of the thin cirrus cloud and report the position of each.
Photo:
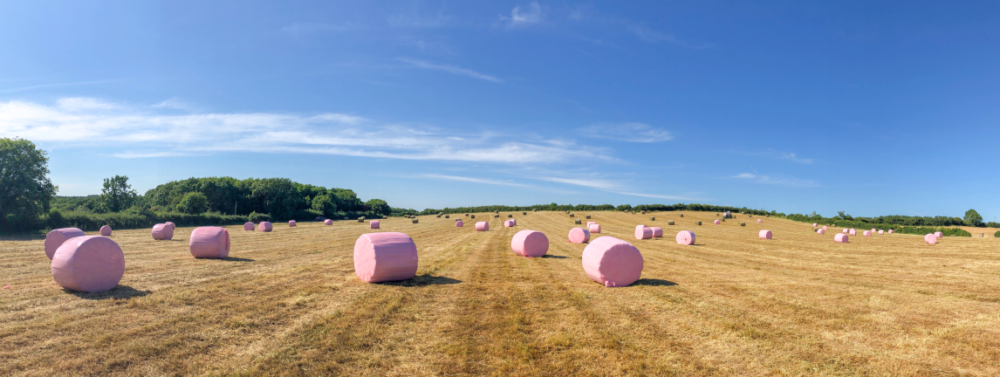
(609, 186)
(630, 132)
(473, 180)
(86, 122)
(763, 179)
(449, 69)
(532, 14)
(792, 157)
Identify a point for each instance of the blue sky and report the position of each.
(871, 108)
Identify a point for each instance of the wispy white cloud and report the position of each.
(174, 103)
(669, 197)
(592, 183)
(414, 18)
(474, 180)
(797, 159)
(149, 155)
(518, 17)
(449, 69)
(763, 179)
(631, 132)
(56, 85)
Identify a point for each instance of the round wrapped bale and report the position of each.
(414, 221)
(867, 233)
(529, 243)
(652, 218)
(657, 231)
(387, 256)
(459, 223)
(374, 224)
(824, 227)
(891, 231)
(292, 223)
(760, 221)
(840, 238)
(685, 237)
(873, 230)
(764, 234)
(572, 215)
(507, 224)
(880, 231)
(612, 262)
(814, 225)
(57, 237)
(846, 230)
(930, 238)
(482, 226)
(579, 235)
(163, 232)
(643, 232)
(577, 221)
(327, 222)
(717, 222)
(939, 234)
(671, 222)
(249, 226)
(743, 223)
(588, 217)
(853, 232)
(590, 222)
(171, 225)
(473, 216)
(594, 228)
(209, 242)
(513, 222)
(265, 226)
(682, 215)
(820, 231)
(509, 216)
(106, 231)
(88, 264)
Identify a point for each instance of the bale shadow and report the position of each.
(422, 281)
(234, 259)
(654, 282)
(553, 256)
(121, 292)
(22, 237)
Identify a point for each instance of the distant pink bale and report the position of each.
(685, 237)
(939, 234)
(657, 231)
(508, 224)
(717, 222)
(764, 234)
(579, 235)
(482, 226)
(873, 230)
(374, 224)
(459, 224)
(821, 231)
(761, 221)
(594, 228)
(88, 264)
(57, 237)
(513, 222)
(846, 230)
(824, 227)
(880, 231)
(328, 222)
(530, 243)
(840, 238)
(814, 225)
(612, 262)
(867, 233)
(292, 223)
(209, 242)
(163, 232)
(931, 238)
(248, 226)
(589, 223)
(106, 231)
(387, 256)
(265, 226)
(643, 232)
(890, 231)
(853, 232)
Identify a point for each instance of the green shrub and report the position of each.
(125, 220)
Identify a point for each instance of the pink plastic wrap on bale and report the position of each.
(764, 234)
(374, 224)
(814, 225)
(482, 226)
(387, 256)
(612, 262)
(685, 237)
(643, 232)
(459, 224)
(873, 230)
(880, 231)
(57, 237)
(657, 231)
(867, 233)
(265, 226)
(507, 224)
(939, 234)
(579, 235)
(589, 223)
(846, 230)
(530, 243)
(292, 223)
(106, 231)
(594, 228)
(840, 238)
(248, 226)
(853, 232)
(890, 231)
(717, 222)
(513, 222)
(88, 264)
(821, 231)
(930, 238)
(171, 225)
(163, 232)
(327, 222)
(824, 227)
(209, 242)
(760, 221)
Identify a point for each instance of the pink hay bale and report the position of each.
(814, 225)
(265, 226)
(931, 239)
(589, 223)
(248, 226)
(209, 242)
(939, 234)
(612, 262)
(106, 231)
(374, 224)
(530, 243)
(643, 232)
(890, 231)
(764, 234)
(880, 231)
(716, 222)
(513, 222)
(853, 232)
(88, 264)
(171, 225)
(328, 222)
(846, 230)
(685, 237)
(459, 224)
(594, 228)
(657, 231)
(482, 226)
(163, 232)
(824, 227)
(507, 224)
(387, 256)
(840, 238)
(873, 230)
(292, 223)
(867, 233)
(821, 231)
(579, 235)
(57, 237)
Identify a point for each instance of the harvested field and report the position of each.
(288, 303)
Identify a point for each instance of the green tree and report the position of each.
(624, 207)
(325, 204)
(973, 218)
(117, 194)
(193, 203)
(378, 207)
(25, 188)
